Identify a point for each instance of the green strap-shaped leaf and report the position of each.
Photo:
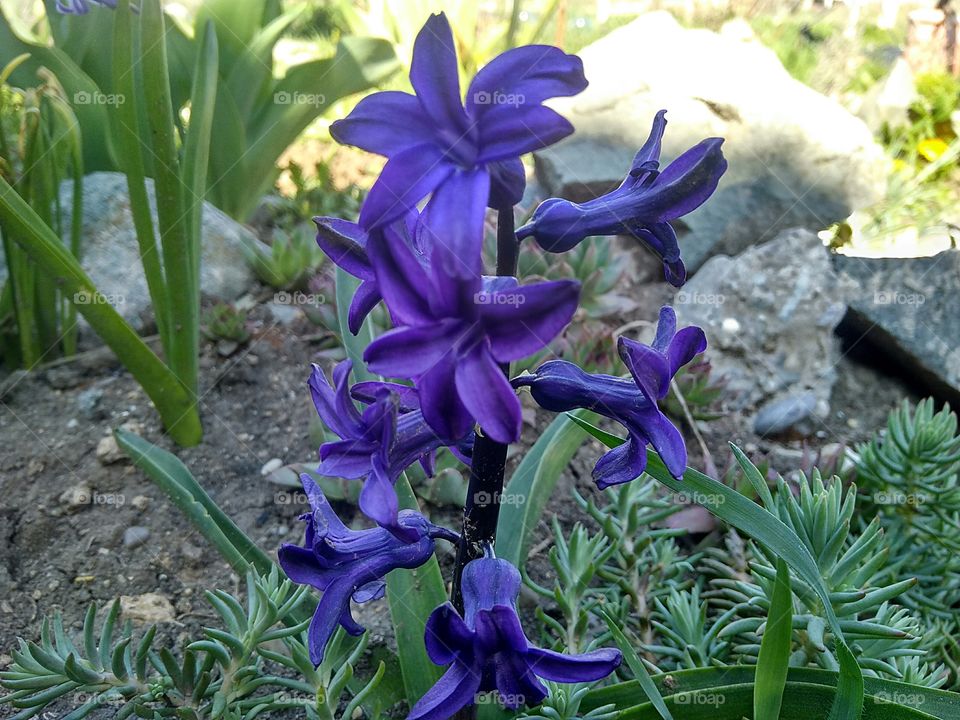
(531, 485)
(745, 515)
(412, 594)
(636, 666)
(169, 396)
(774, 658)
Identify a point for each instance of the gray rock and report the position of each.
(906, 308)
(797, 158)
(784, 413)
(888, 102)
(769, 316)
(135, 536)
(111, 256)
(89, 403)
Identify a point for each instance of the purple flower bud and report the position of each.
(560, 386)
(641, 207)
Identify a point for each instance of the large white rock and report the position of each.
(797, 158)
(111, 256)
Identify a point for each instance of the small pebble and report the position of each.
(781, 414)
(140, 502)
(108, 452)
(77, 496)
(89, 403)
(271, 465)
(135, 535)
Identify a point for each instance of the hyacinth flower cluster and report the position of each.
(417, 249)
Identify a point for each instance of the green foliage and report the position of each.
(258, 112)
(238, 670)
(40, 146)
(292, 260)
(316, 195)
(795, 41)
(224, 321)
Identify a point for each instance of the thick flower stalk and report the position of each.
(379, 443)
(487, 649)
(560, 386)
(642, 206)
(465, 155)
(350, 564)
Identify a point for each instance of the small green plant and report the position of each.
(237, 671)
(224, 321)
(293, 258)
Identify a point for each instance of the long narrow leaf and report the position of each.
(637, 667)
(745, 515)
(774, 658)
(176, 407)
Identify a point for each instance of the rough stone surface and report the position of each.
(111, 256)
(797, 158)
(906, 308)
(784, 413)
(769, 316)
(149, 608)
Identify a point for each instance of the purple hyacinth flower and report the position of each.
(560, 386)
(345, 243)
(487, 649)
(455, 333)
(466, 155)
(350, 564)
(377, 444)
(642, 206)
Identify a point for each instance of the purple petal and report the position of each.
(347, 622)
(687, 182)
(378, 498)
(345, 243)
(620, 465)
(508, 179)
(407, 178)
(333, 404)
(373, 590)
(650, 152)
(443, 409)
(524, 320)
(509, 132)
(411, 351)
(434, 74)
(372, 124)
(516, 683)
(301, 566)
(661, 238)
(325, 519)
(453, 223)
(666, 329)
(487, 394)
(531, 74)
(453, 692)
(665, 438)
(648, 367)
(446, 635)
(586, 667)
(402, 280)
(365, 299)
(558, 386)
(370, 391)
(488, 582)
(326, 618)
(686, 345)
(348, 459)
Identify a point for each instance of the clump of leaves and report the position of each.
(698, 390)
(237, 671)
(292, 260)
(224, 321)
(316, 194)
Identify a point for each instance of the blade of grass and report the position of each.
(774, 658)
(637, 667)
